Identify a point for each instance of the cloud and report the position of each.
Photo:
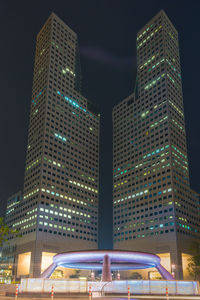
(103, 57)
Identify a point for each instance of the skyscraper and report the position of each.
(155, 209)
(59, 208)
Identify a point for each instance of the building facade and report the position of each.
(7, 255)
(59, 208)
(155, 209)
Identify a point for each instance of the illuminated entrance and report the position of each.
(23, 266)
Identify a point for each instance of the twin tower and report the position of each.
(154, 208)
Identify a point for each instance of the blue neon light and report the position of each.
(60, 137)
(74, 103)
(38, 95)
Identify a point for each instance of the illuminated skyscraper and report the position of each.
(59, 208)
(154, 208)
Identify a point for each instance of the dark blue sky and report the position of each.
(107, 36)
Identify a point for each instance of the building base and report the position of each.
(34, 286)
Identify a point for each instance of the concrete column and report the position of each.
(36, 260)
(176, 261)
(106, 271)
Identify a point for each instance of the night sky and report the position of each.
(106, 31)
